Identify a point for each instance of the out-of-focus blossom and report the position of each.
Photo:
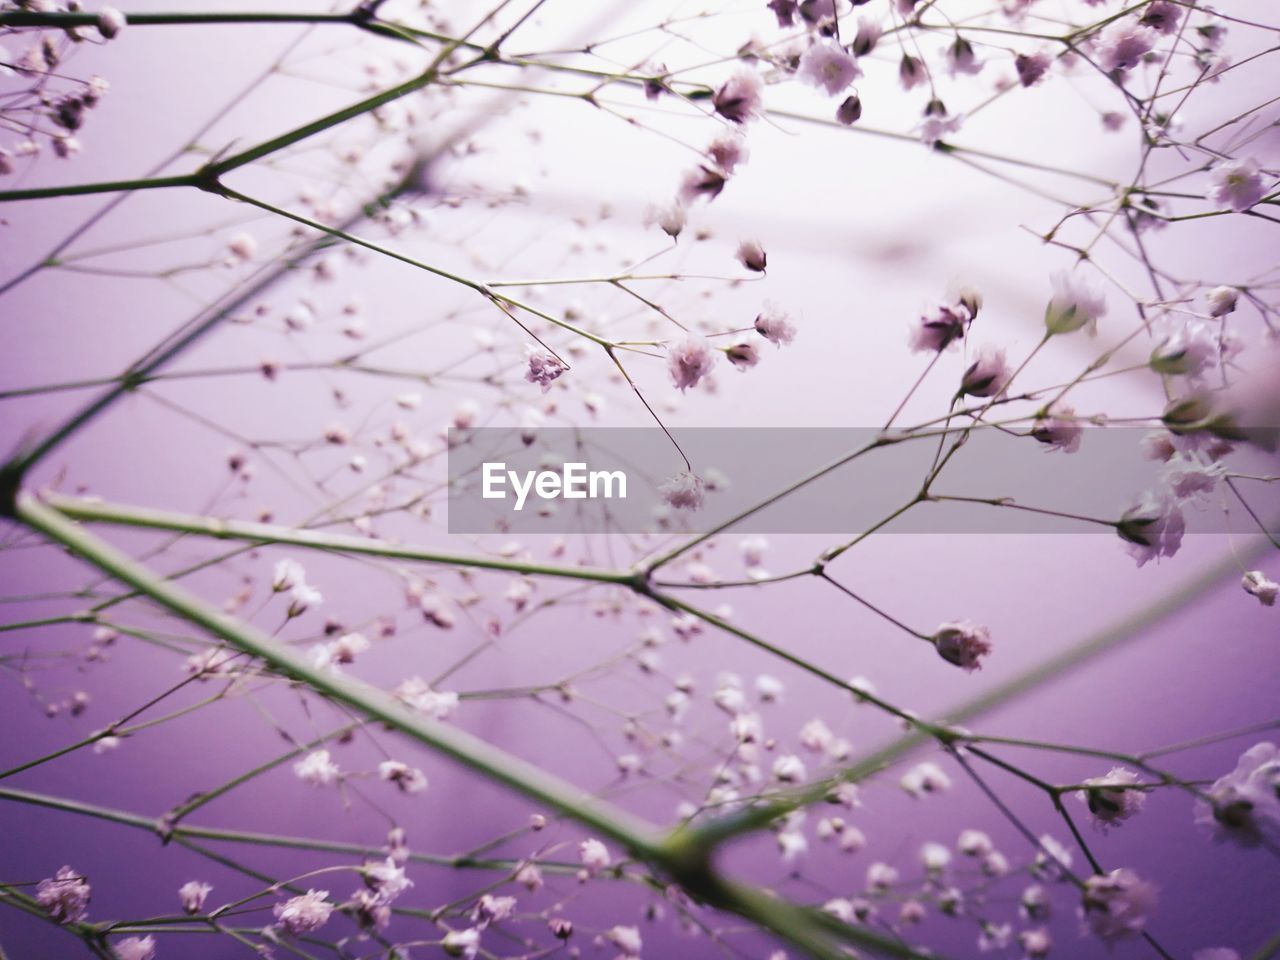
(544, 367)
(740, 98)
(1244, 806)
(1163, 16)
(462, 943)
(1035, 943)
(110, 22)
(850, 110)
(1222, 301)
(1113, 798)
(988, 374)
(828, 67)
(64, 896)
(1186, 350)
(305, 913)
(1075, 304)
(671, 219)
(1116, 905)
(1152, 527)
(1031, 68)
(417, 694)
(774, 324)
(684, 491)
(1122, 44)
(1257, 584)
(752, 256)
(924, 779)
(135, 948)
(193, 894)
(317, 769)
(626, 939)
(963, 643)
(688, 361)
(408, 779)
(594, 856)
(490, 909)
(1237, 184)
(1058, 428)
(961, 58)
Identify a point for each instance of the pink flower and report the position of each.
(1114, 798)
(1162, 16)
(701, 183)
(988, 374)
(64, 896)
(936, 331)
(775, 325)
(911, 72)
(1031, 69)
(1186, 350)
(1244, 805)
(305, 913)
(1075, 304)
(739, 98)
(1116, 904)
(743, 355)
(785, 11)
(1222, 301)
(544, 367)
(727, 151)
(850, 110)
(193, 895)
(684, 491)
(937, 123)
(963, 643)
(868, 35)
(689, 361)
(110, 22)
(961, 58)
(1237, 184)
(408, 779)
(1058, 428)
(135, 948)
(671, 218)
(594, 856)
(317, 769)
(1122, 45)
(417, 694)
(1256, 584)
(462, 943)
(1153, 527)
(752, 256)
(828, 67)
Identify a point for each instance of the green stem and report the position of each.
(470, 751)
(265, 533)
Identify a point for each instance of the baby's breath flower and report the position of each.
(1237, 184)
(193, 894)
(828, 67)
(1075, 304)
(1116, 905)
(1258, 584)
(305, 913)
(963, 643)
(1114, 798)
(64, 896)
(739, 98)
(135, 948)
(317, 769)
(684, 491)
(688, 361)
